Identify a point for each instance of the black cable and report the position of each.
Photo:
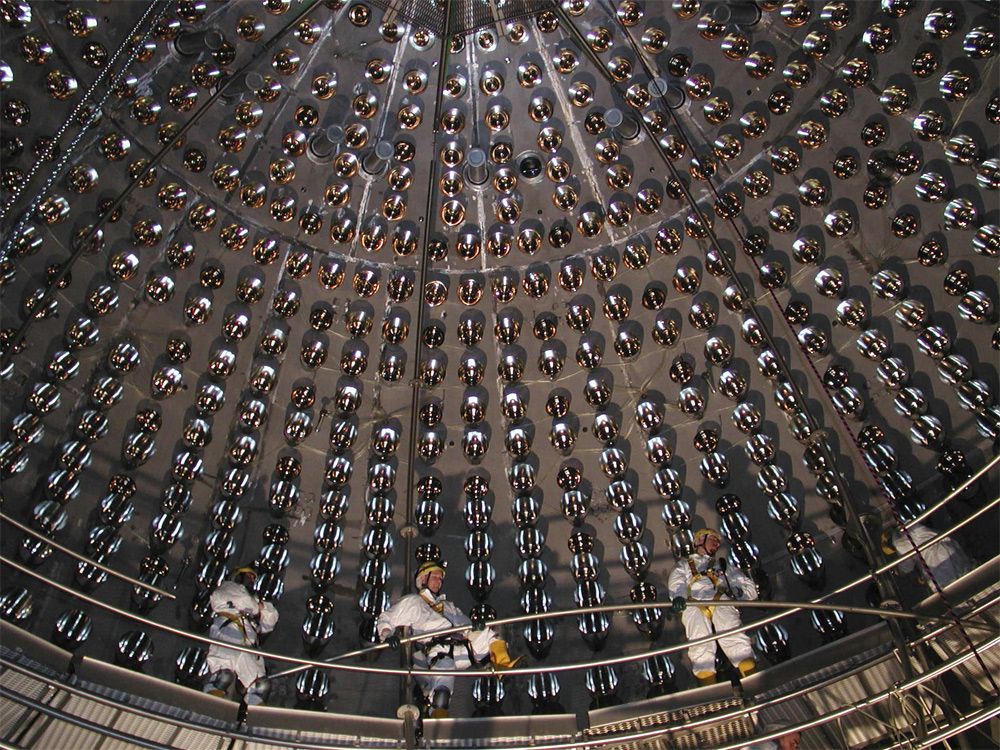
(811, 364)
(54, 283)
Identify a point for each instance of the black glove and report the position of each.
(392, 641)
(679, 604)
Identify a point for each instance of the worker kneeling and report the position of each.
(700, 577)
(241, 617)
(945, 559)
(428, 611)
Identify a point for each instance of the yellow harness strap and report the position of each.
(237, 620)
(709, 611)
(436, 606)
(710, 575)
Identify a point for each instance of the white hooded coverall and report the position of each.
(705, 583)
(241, 618)
(417, 611)
(945, 559)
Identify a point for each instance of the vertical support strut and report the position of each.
(409, 531)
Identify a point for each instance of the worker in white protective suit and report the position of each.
(701, 578)
(239, 617)
(428, 611)
(946, 560)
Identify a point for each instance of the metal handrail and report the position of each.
(912, 552)
(334, 662)
(978, 609)
(99, 728)
(83, 558)
(866, 702)
(791, 608)
(969, 720)
(220, 731)
(633, 607)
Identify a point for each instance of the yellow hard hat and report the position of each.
(424, 572)
(246, 570)
(887, 546)
(706, 532)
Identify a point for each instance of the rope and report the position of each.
(131, 42)
(812, 365)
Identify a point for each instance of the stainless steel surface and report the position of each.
(250, 324)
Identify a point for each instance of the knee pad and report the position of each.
(441, 698)
(221, 680)
(257, 692)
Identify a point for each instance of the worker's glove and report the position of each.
(679, 604)
(392, 641)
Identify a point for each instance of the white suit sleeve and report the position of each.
(232, 597)
(268, 617)
(456, 616)
(743, 586)
(399, 614)
(677, 583)
(920, 534)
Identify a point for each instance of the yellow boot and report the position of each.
(499, 656)
(705, 678)
(747, 667)
(439, 713)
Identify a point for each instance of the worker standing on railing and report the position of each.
(429, 610)
(240, 617)
(700, 577)
(946, 560)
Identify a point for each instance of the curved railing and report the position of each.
(692, 723)
(984, 713)
(336, 662)
(939, 625)
(83, 558)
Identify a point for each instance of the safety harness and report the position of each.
(235, 618)
(710, 575)
(448, 641)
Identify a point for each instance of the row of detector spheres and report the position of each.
(585, 566)
(318, 625)
(242, 451)
(377, 545)
(932, 341)
(42, 397)
(380, 507)
(480, 573)
(532, 573)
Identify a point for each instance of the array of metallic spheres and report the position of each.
(505, 173)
